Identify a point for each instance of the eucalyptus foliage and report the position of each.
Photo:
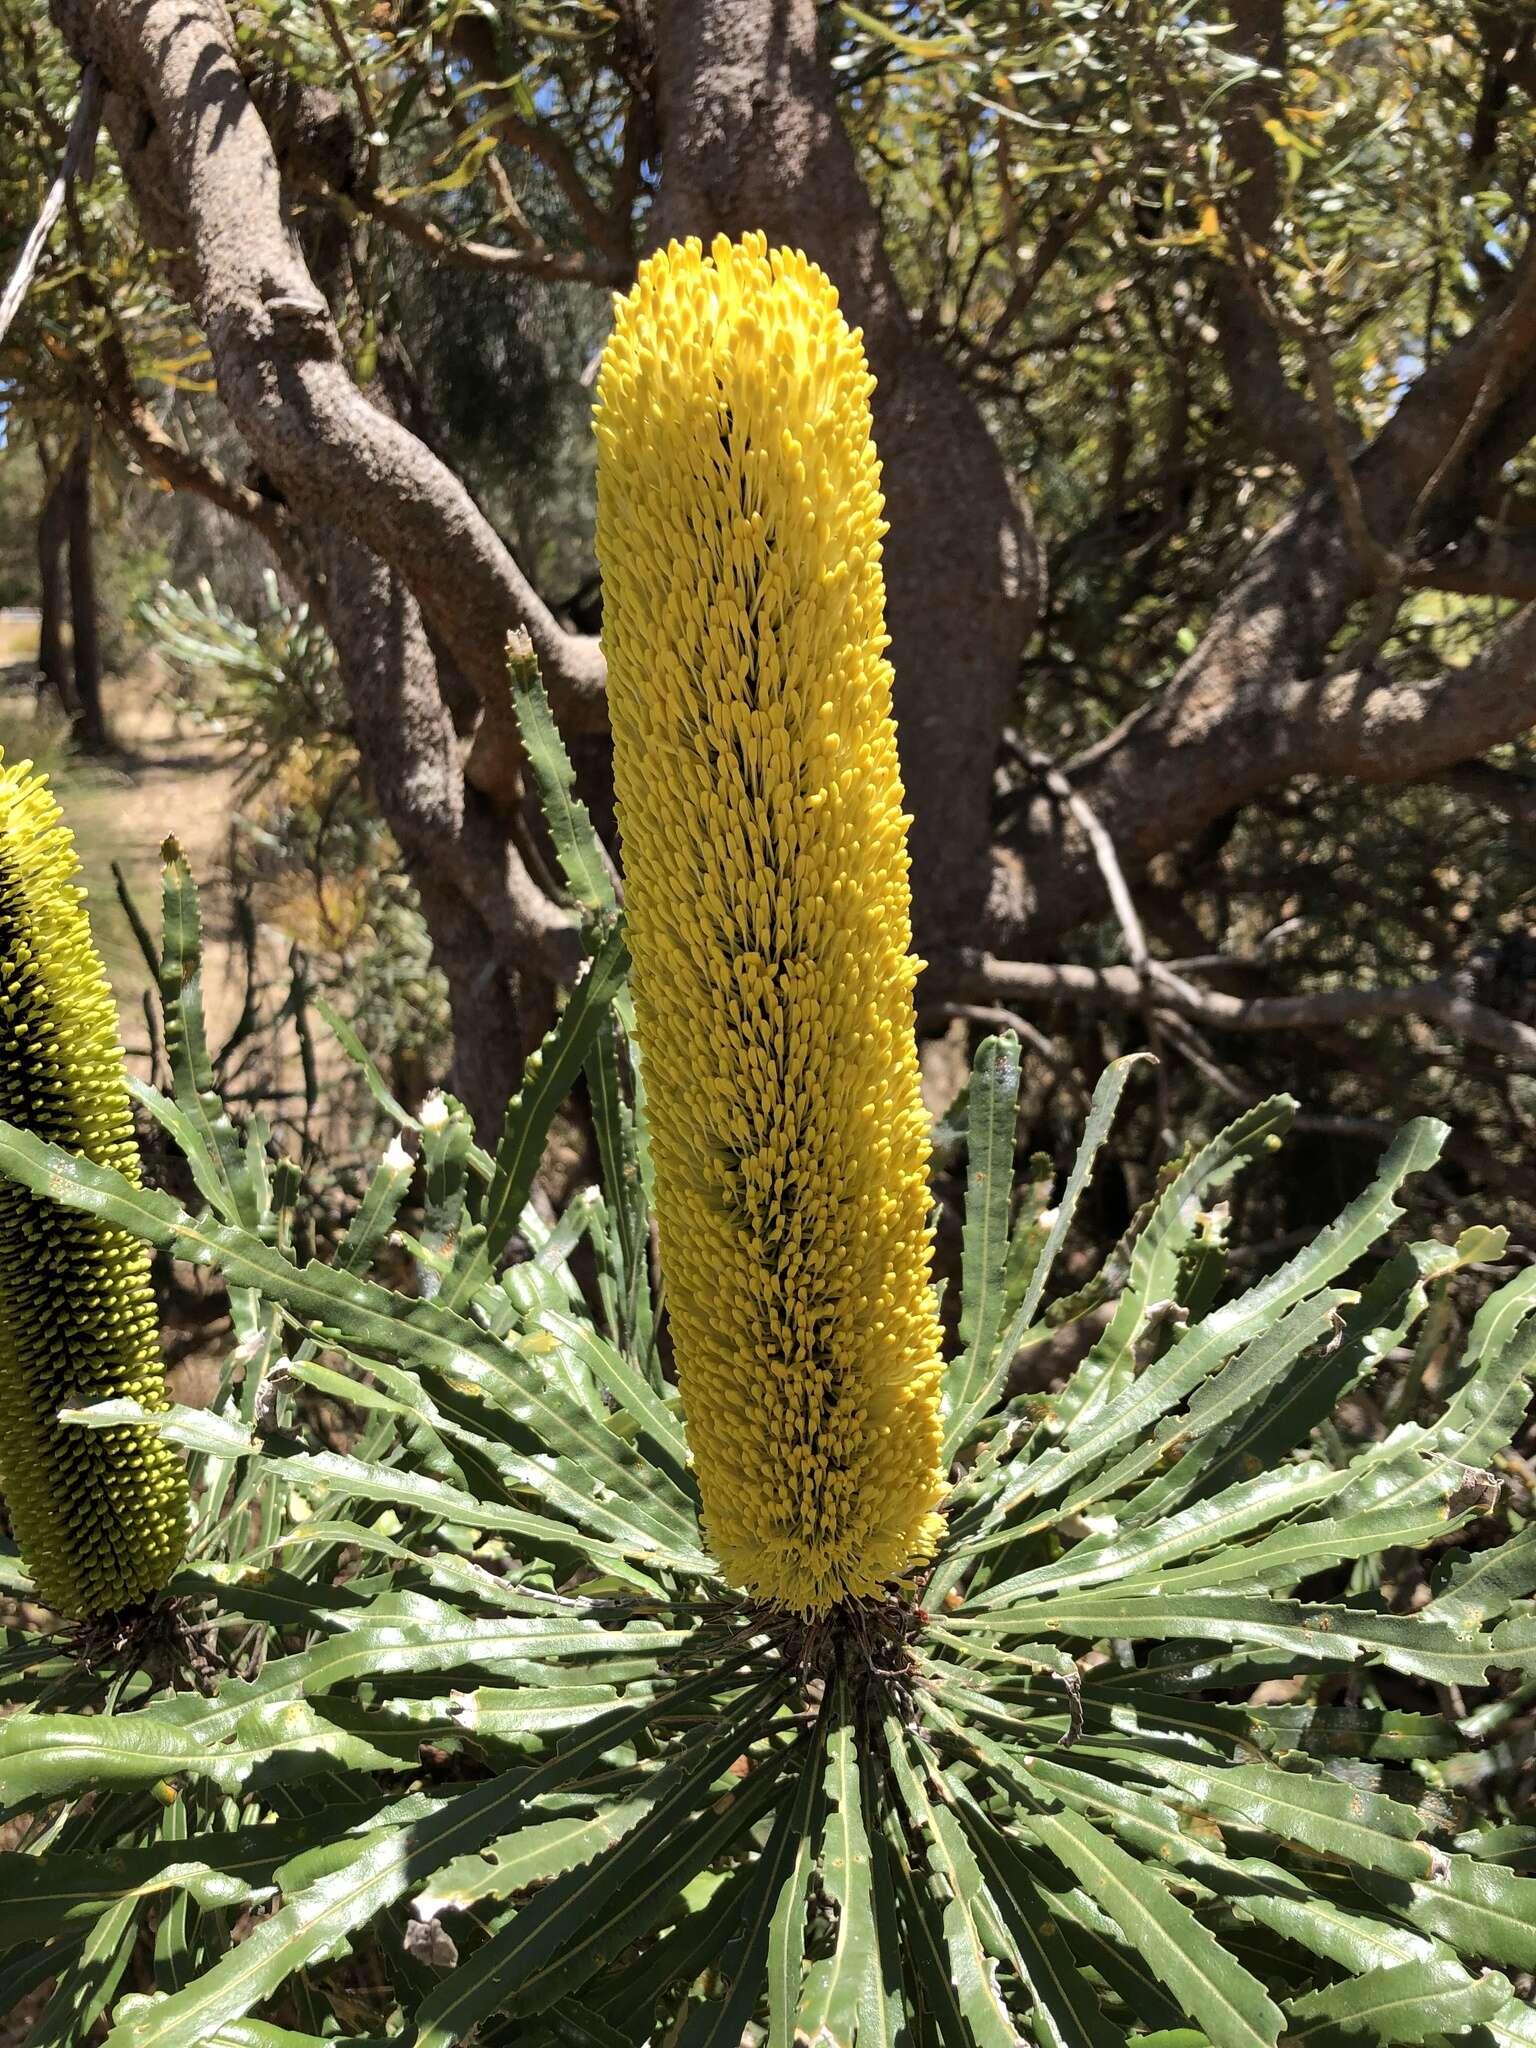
(483, 1748)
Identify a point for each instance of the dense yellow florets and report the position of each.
(768, 908)
(99, 1515)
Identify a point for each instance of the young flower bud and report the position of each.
(99, 1515)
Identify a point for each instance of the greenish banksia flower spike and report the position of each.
(99, 1515)
(768, 913)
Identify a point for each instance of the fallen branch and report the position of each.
(1022, 983)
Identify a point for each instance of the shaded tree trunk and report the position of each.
(456, 851)
(90, 727)
(52, 543)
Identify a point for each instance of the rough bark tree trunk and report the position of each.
(455, 850)
(751, 137)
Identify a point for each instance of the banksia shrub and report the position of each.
(1192, 1738)
(768, 912)
(99, 1514)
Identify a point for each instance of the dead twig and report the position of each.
(78, 152)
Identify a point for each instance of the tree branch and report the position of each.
(124, 408)
(1374, 729)
(1022, 984)
(1488, 564)
(1236, 724)
(1500, 789)
(608, 231)
(278, 358)
(1272, 411)
(1253, 705)
(532, 260)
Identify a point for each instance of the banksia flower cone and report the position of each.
(769, 916)
(99, 1515)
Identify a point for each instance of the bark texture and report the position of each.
(488, 922)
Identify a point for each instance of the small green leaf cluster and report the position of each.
(484, 1749)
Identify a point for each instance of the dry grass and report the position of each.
(18, 640)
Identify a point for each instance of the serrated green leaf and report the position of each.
(628, 1388)
(85, 1989)
(1325, 1814)
(991, 1126)
(1189, 1360)
(1214, 1989)
(721, 2022)
(955, 1879)
(225, 1739)
(1412, 2002)
(1067, 2010)
(551, 1946)
(828, 2008)
(530, 1855)
(393, 1862)
(181, 1001)
(547, 1079)
(1104, 1374)
(1487, 1583)
(1334, 1633)
(1209, 1525)
(1481, 1909)
(1106, 1100)
(577, 847)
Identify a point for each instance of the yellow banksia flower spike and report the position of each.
(99, 1515)
(769, 915)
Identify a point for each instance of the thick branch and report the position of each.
(407, 743)
(1489, 564)
(1253, 706)
(487, 921)
(1498, 789)
(1376, 730)
(1218, 737)
(1271, 409)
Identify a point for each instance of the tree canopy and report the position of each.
(1206, 347)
